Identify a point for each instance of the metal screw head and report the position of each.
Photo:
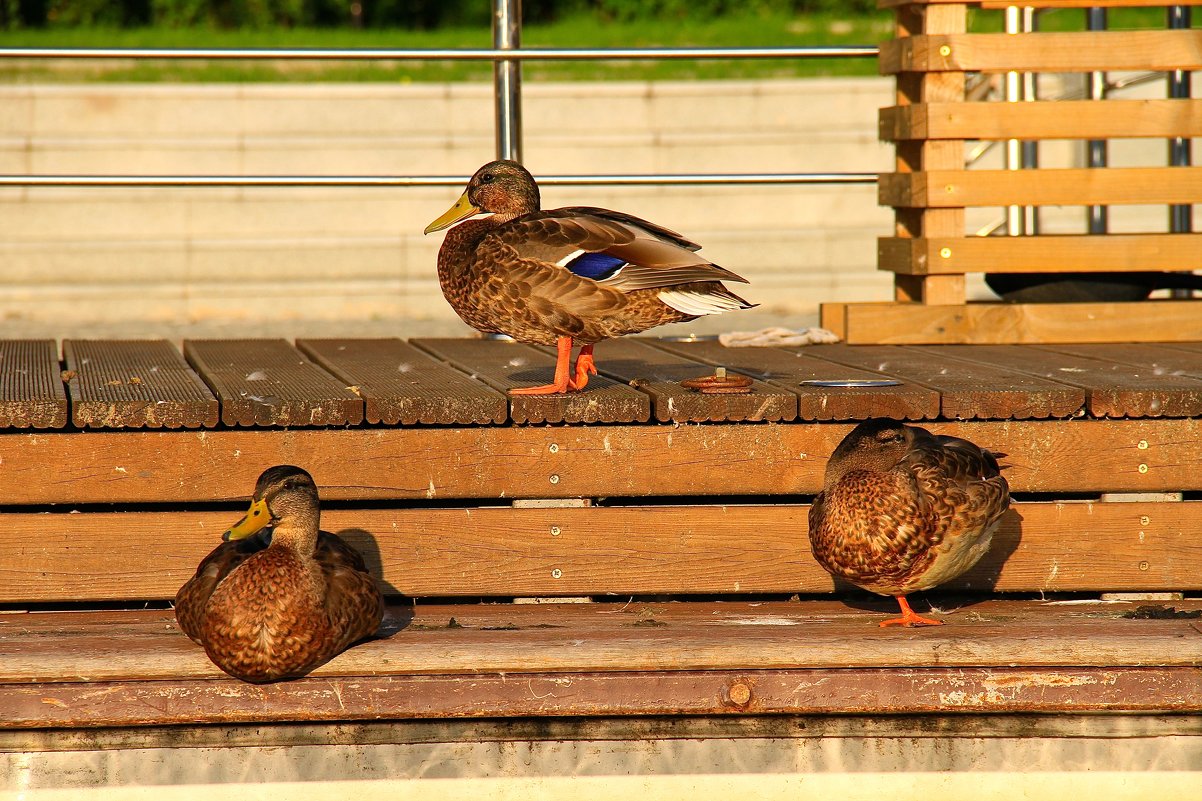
(556, 573)
(945, 253)
(553, 448)
(1142, 445)
(1143, 565)
(1144, 520)
(945, 50)
(1143, 468)
(739, 694)
(555, 479)
(554, 531)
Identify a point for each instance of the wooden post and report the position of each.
(922, 155)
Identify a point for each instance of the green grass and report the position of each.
(581, 31)
(750, 30)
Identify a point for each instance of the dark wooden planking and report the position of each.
(1129, 387)
(1159, 358)
(966, 393)
(1139, 455)
(401, 384)
(135, 384)
(659, 373)
(853, 691)
(508, 365)
(788, 367)
(31, 385)
(267, 382)
(597, 551)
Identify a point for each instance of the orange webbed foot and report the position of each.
(545, 389)
(909, 617)
(585, 366)
(562, 383)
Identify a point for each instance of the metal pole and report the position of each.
(1016, 222)
(1097, 217)
(507, 78)
(1181, 217)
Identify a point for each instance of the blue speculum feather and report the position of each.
(597, 266)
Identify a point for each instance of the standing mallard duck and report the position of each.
(277, 605)
(577, 273)
(902, 510)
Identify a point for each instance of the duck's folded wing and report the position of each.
(615, 251)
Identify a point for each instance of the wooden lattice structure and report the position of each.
(931, 251)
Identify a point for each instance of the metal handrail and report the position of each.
(696, 179)
(506, 56)
(489, 54)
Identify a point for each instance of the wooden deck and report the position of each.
(672, 527)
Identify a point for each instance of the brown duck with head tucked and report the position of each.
(902, 510)
(268, 607)
(573, 274)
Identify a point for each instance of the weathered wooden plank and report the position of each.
(658, 373)
(1140, 455)
(979, 392)
(597, 551)
(1083, 51)
(1034, 254)
(960, 188)
(134, 384)
(508, 365)
(1159, 359)
(267, 382)
(1022, 323)
(401, 384)
(591, 638)
(1059, 119)
(1114, 388)
(855, 691)
(789, 368)
(31, 386)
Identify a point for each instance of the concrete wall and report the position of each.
(77, 262)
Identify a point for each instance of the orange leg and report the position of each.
(562, 383)
(909, 617)
(585, 366)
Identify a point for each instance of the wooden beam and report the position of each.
(1116, 185)
(1037, 254)
(597, 551)
(1044, 52)
(1062, 119)
(1016, 323)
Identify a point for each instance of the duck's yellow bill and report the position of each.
(256, 519)
(462, 209)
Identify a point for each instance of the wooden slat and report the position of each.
(586, 461)
(401, 384)
(31, 386)
(1157, 360)
(509, 365)
(1036, 254)
(1114, 185)
(135, 384)
(597, 638)
(1023, 323)
(267, 382)
(1059, 119)
(965, 394)
(598, 551)
(1112, 389)
(659, 372)
(1151, 51)
(853, 691)
(789, 367)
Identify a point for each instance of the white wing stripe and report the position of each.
(697, 303)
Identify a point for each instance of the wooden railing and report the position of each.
(931, 251)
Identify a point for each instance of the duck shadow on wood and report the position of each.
(396, 617)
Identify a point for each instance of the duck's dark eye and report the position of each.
(486, 178)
